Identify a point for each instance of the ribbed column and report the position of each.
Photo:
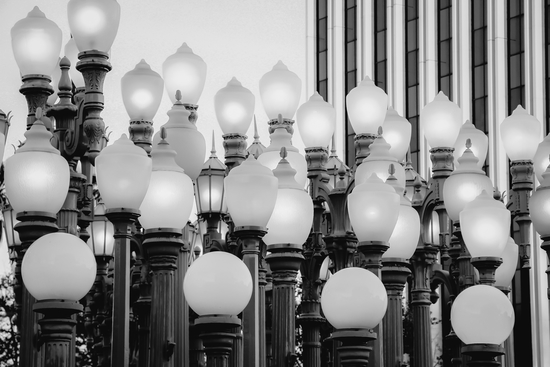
(483, 355)
(181, 354)
(217, 338)
(354, 349)
(262, 282)
(311, 321)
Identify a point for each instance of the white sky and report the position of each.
(241, 38)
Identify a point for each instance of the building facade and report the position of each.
(488, 56)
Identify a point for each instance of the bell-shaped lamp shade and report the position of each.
(36, 176)
(280, 91)
(186, 72)
(251, 193)
(397, 132)
(479, 140)
(541, 161)
(56, 75)
(464, 185)
(123, 174)
(58, 266)
(217, 283)
(366, 105)
(102, 232)
(93, 23)
(506, 271)
(234, 106)
(36, 43)
(485, 224)
(354, 298)
(441, 120)
(482, 315)
(142, 92)
(281, 138)
(316, 121)
(293, 213)
(373, 208)
(185, 139)
(169, 199)
(539, 206)
(520, 134)
(71, 52)
(405, 235)
(379, 161)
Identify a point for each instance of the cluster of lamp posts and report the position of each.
(265, 194)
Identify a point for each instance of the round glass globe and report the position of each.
(280, 91)
(441, 120)
(93, 24)
(234, 107)
(482, 314)
(520, 134)
(506, 271)
(316, 121)
(58, 266)
(217, 283)
(354, 298)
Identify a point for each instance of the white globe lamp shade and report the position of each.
(184, 71)
(93, 23)
(316, 121)
(397, 132)
(280, 91)
(234, 107)
(141, 92)
(36, 43)
(58, 266)
(539, 206)
(482, 314)
(541, 161)
(520, 134)
(373, 208)
(366, 105)
(406, 233)
(123, 173)
(354, 298)
(441, 120)
(217, 283)
(506, 271)
(36, 176)
(251, 193)
(479, 143)
(485, 224)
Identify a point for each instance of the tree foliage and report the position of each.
(9, 340)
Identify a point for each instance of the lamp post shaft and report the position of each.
(181, 354)
(522, 185)
(36, 88)
(123, 220)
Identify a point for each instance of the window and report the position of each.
(350, 70)
(444, 47)
(412, 80)
(321, 53)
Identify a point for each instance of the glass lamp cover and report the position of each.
(169, 199)
(539, 206)
(102, 232)
(280, 91)
(441, 120)
(465, 184)
(71, 52)
(541, 159)
(12, 236)
(482, 315)
(217, 283)
(36, 176)
(379, 161)
(209, 185)
(479, 140)
(354, 298)
(58, 266)
(185, 139)
(234, 106)
(36, 43)
(251, 193)
(123, 174)
(366, 105)
(520, 134)
(316, 121)
(186, 72)
(293, 213)
(397, 132)
(485, 224)
(270, 157)
(142, 92)
(373, 208)
(506, 271)
(93, 23)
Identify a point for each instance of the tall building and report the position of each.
(488, 56)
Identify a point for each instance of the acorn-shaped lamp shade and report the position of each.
(316, 121)
(141, 92)
(478, 139)
(280, 91)
(366, 105)
(539, 206)
(234, 106)
(541, 161)
(397, 132)
(520, 134)
(506, 271)
(94, 23)
(441, 120)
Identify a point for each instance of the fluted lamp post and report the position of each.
(251, 194)
(354, 301)
(287, 229)
(58, 270)
(123, 174)
(218, 287)
(483, 318)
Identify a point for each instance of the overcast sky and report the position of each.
(241, 38)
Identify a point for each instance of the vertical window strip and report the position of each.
(547, 63)
(322, 48)
(350, 69)
(380, 54)
(516, 55)
(445, 47)
(412, 78)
